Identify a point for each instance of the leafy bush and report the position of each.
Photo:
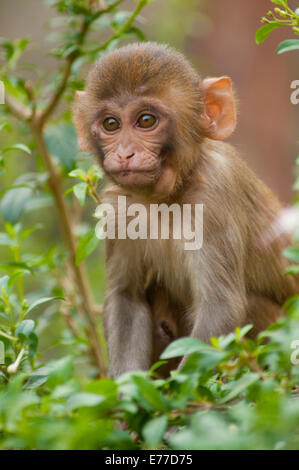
(234, 393)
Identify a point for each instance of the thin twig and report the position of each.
(44, 116)
(16, 108)
(55, 99)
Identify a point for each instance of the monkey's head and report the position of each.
(145, 112)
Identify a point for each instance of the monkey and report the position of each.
(157, 130)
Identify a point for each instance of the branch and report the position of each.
(44, 116)
(123, 29)
(18, 109)
(54, 100)
(46, 113)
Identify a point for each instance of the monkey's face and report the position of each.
(133, 136)
(145, 112)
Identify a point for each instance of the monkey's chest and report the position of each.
(167, 264)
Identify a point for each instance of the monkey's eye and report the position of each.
(111, 124)
(146, 121)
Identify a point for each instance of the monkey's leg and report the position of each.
(261, 312)
(128, 328)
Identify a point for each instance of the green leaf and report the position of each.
(292, 253)
(239, 385)
(287, 46)
(156, 365)
(154, 430)
(69, 51)
(15, 87)
(22, 147)
(151, 394)
(6, 240)
(4, 283)
(41, 301)
(39, 201)
(6, 126)
(263, 32)
(104, 387)
(66, 390)
(14, 203)
(292, 304)
(25, 233)
(80, 190)
(12, 230)
(241, 332)
(61, 141)
(293, 270)
(84, 399)
(35, 381)
(13, 265)
(95, 173)
(25, 328)
(78, 173)
(108, 389)
(13, 50)
(58, 371)
(26, 334)
(86, 245)
(13, 278)
(2, 170)
(140, 35)
(183, 346)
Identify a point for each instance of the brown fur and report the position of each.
(156, 290)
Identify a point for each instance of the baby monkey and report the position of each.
(156, 129)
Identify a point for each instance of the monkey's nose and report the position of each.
(125, 156)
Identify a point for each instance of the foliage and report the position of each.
(283, 15)
(234, 393)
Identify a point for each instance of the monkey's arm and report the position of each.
(220, 300)
(219, 316)
(128, 328)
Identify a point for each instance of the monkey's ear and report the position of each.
(220, 117)
(82, 141)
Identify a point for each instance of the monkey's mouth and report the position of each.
(135, 177)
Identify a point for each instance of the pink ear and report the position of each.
(220, 118)
(82, 141)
